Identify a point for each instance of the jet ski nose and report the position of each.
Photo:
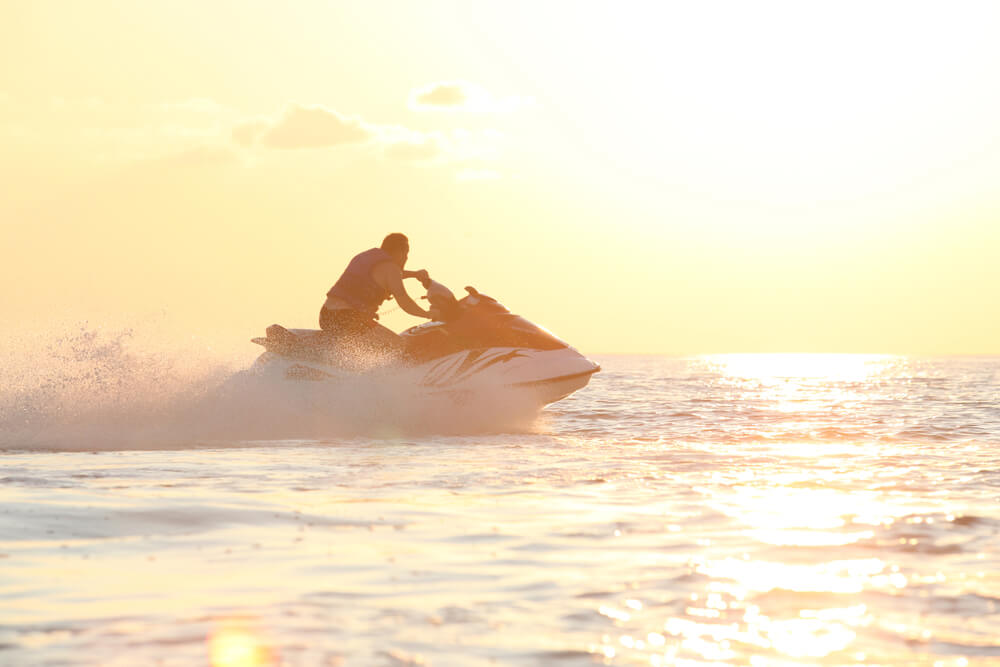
(584, 362)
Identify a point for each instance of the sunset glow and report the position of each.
(775, 177)
(477, 333)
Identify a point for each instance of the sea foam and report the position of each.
(91, 388)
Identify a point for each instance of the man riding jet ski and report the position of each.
(473, 345)
(351, 309)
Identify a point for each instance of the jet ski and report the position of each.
(475, 344)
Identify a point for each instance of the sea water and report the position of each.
(719, 510)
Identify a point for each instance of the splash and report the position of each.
(97, 389)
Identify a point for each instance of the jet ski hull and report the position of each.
(544, 375)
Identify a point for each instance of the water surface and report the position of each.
(733, 510)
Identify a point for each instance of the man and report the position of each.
(370, 278)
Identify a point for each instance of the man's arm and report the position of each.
(420, 275)
(390, 277)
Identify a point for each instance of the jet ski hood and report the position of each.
(476, 322)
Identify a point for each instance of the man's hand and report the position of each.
(420, 275)
(388, 276)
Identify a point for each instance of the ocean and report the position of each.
(705, 511)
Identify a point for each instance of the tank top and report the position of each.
(356, 286)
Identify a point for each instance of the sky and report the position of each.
(673, 178)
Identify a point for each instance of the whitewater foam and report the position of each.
(97, 389)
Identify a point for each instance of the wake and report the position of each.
(97, 390)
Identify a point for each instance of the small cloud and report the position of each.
(316, 127)
(442, 95)
(400, 143)
(439, 147)
(303, 126)
(311, 127)
(462, 96)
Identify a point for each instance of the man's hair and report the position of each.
(395, 242)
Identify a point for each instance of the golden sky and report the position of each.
(637, 177)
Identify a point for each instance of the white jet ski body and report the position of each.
(481, 347)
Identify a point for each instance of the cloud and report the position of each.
(442, 95)
(303, 127)
(400, 143)
(462, 96)
(317, 127)
(246, 133)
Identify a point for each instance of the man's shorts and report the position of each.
(344, 322)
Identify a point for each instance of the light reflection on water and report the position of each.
(803, 509)
(238, 643)
(772, 369)
(733, 510)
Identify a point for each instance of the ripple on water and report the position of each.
(675, 512)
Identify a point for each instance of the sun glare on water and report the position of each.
(794, 608)
(798, 597)
(799, 383)
(774, 367)
(236, 644)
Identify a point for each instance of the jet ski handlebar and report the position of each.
(444, 305)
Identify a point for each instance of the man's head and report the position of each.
(398, 246)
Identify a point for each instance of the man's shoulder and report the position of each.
(386, 270)
(387, 266)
